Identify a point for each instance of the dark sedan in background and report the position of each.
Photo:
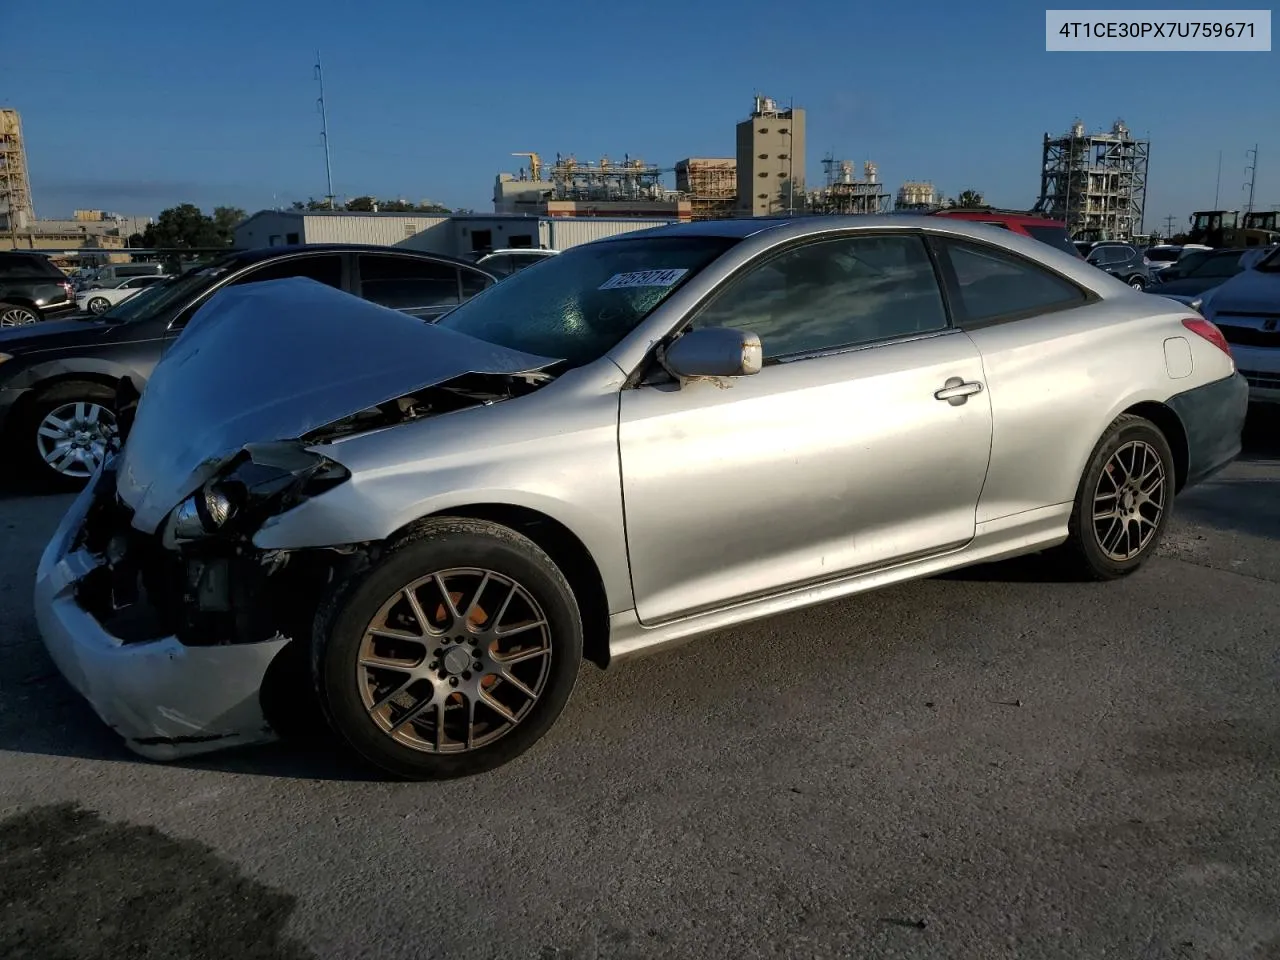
(1207, 270)
(58, 379)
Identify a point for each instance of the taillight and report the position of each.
(68, 290)
(1203, 328)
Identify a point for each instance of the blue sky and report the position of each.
(214, 103)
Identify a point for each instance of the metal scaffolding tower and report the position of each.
(843, 193)
(1095, 182)
(15, 185)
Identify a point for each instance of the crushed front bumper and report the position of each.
(167, 699)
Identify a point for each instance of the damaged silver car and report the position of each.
(645, 439)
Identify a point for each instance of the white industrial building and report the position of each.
(463, 235)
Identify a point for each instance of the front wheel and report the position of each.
(1123, 502)
(64, 434)
(1137, 283)
(99, 305)
(452, 655)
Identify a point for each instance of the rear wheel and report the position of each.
(99, 305)
(1137, 283)
(62, 437)
(1123, 502)
(453, 655)
(16, 315)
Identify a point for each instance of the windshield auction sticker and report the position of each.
(643, 278)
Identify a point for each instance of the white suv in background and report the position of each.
(1246, 308)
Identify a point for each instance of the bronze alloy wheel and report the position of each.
(1129, 500)
(454, 660)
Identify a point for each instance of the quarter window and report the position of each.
(992, 285)
(326, 269)
(834, 293)
(409, 284)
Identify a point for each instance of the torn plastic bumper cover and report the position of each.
(167, 699)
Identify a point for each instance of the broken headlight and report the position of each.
(261, 481)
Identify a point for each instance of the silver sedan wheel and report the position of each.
(73, 438)
(455, 660)
(1129, 500)
(99, 305)
(17, 317)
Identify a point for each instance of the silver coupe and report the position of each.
(644, 439)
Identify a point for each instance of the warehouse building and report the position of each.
(463, 235)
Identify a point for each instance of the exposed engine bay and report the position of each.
(199, 577)
(468, 390)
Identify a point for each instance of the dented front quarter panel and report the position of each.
(554, 452)
(167, 700)
(274, 361)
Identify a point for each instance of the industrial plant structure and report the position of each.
(571, 187)
(917, 195)
(844, 193)
(1095, 182)
(710, 184)
(770, 152)
(16, 210)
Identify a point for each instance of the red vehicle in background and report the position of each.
(1052, 232)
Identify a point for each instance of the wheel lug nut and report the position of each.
(478, 665)
(466, 675)
(453, 681)
(432, 665)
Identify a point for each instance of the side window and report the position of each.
(991, 284)
(326, 269)
(834, 293)
(473, 282)
(405, 283)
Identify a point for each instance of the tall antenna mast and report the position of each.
(1252, 170)
(324, 131)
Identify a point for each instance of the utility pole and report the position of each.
(324, 131)
(1168, 226)
(1218, 183)
(1252, 171)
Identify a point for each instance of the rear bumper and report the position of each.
(1213, 417)
(168, 700)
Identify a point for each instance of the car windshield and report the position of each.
(1167, 255)
(154, 300)
(577, 306)
(1270, 264)
(1190, 261)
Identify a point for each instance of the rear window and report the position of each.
(1054, 236)
(1167, 255)
(17, 266)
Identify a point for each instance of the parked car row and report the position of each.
(638, 441)
(58, 379)
(32, 289)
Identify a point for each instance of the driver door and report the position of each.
(837, 457)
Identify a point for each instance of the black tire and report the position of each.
(98, 305)
(1137, 282)
(438, 546)
(1083, 556)
(22, 438)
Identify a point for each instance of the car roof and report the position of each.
(259, 254)
(744, 227)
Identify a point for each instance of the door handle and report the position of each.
(956, 391)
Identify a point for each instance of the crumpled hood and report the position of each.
(274, 361)
(1252, 291)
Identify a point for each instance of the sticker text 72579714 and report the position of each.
(643, 278)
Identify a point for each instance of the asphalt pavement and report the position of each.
(983, 765)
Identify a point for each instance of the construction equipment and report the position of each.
(1222, 228)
